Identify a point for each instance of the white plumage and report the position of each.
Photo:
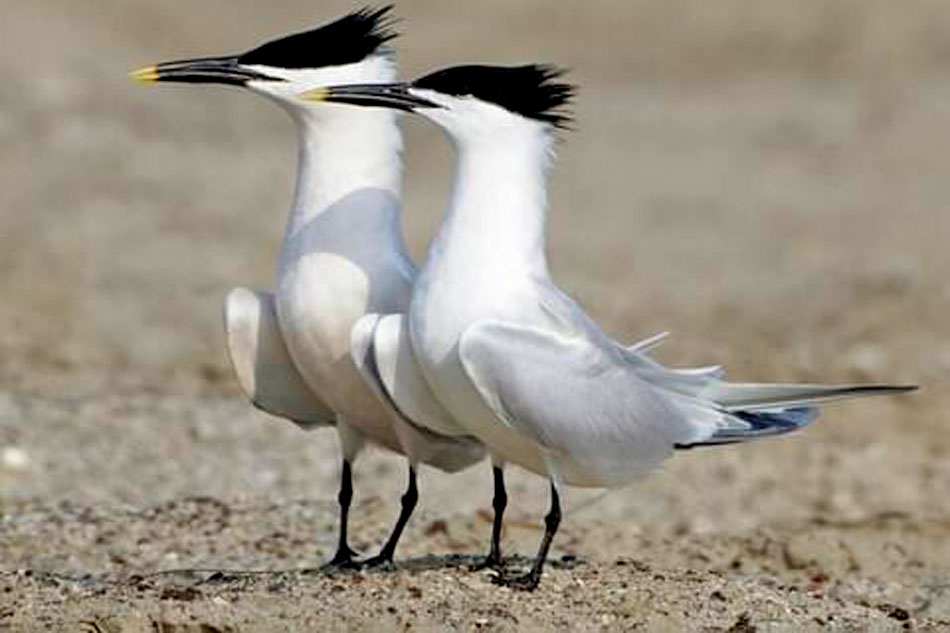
(343, 254)
(514, 360)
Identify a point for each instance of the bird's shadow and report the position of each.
(416, 564)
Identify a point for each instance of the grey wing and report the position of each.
(568, 318)
(646, 345)
(264, 369)
(581, 400)
(565, 316)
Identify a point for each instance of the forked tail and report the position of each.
(754, 411)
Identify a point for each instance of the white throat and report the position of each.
(495, 220)
(349, 171)
(347, 157)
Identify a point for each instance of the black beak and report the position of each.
(206, 70)
(395, 96)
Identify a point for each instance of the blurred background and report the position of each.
(766, 180)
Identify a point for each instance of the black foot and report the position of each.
(528, 582)
(380, 561)
(495, 563)
(345, 559)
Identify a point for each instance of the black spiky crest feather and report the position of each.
(529, 90)
(347, 40)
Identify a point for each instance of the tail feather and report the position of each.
(754, 425)
(755, 411)
(733, 396)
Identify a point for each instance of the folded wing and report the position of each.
(387, 366)
(263, 366)
(581, 401)
(403, 380)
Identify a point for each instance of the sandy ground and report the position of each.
(765, 180)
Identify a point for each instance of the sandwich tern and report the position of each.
(513, 359)
(343, 255)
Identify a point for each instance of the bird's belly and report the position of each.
(319, 298)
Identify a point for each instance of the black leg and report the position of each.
(409, 500)
(529, 581)
(499, 503)
(344, 555)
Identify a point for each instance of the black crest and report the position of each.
(347, 40)
(530, 91)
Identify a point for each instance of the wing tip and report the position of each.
(896, 389)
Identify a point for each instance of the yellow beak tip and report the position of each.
(144, 75)
(317, 94)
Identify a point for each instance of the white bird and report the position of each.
(343, 256)
(514, 360)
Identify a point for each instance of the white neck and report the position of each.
(349, 169)
(347, 157)
(495, 221)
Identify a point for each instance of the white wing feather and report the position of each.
(403, 380)
(449, 453)
(645, 345)
(263, 366)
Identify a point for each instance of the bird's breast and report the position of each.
(444, 305)
(319, 297)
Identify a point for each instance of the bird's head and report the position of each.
(351, 49)
(470, 101)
